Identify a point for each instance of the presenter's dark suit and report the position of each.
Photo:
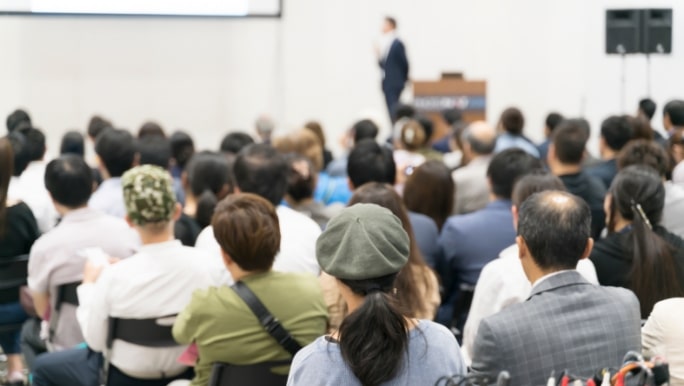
(566, 324)
(396, 67)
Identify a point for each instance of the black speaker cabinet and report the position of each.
(657, 36)
(623, 31)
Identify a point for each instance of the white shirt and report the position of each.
(158, 281)
(30, 188)
(678, 173)
(58, 258)
(502, 283)
(673, 220)
(663, 334)
(298, 235)
(108, 198)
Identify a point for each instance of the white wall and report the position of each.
(213, 75)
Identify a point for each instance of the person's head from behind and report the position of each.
(151, 129)
(544, 216)
(506, 168)
(301, 180)
(648, 153)
(154, 150)
(97, 125)
(303, 142)
(316, 128)
(72, 143)
(412, 136)
(20, 151)
(365, 247)
(430, 190)
(616, 131)
(6, 172)
(641, 128)
(551, 122)
(17, 119)
(478, 139)
(568, 144)
(673, 115)
(452, 116)
(115, 151)
(261, 170)
(535, 182)
(233, 142)
(364, 129)
(647, 109)
(69, 180)
(370, 162)
(428, 127)
(405, 111)
(634, 204)
(676, 148)
(207, 180)
(35, 142)
(150, 202)
(182, 148)
(264, 126)
(389, 24)
(247, 230)
(512, 121)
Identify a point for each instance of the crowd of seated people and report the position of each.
(432, 255)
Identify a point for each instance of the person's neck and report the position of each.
(560, 169)
(238, 273)
(608, 154)
(148, 238)
(190, 207)
(63, 210)
(621, 224)
(293, 204)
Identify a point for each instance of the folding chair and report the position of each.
(65, 294)
(461, 309)
(13, 274)
(262, 374)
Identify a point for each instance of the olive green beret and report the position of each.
(364, 241)
(148, 194)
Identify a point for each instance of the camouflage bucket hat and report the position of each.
(148, 194)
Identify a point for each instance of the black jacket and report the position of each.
(396, 67)
(592, 191)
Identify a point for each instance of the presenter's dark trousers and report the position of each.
(81, 367)
(392, 100)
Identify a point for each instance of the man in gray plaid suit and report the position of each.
(566, 323)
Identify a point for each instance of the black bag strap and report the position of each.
(267, 320)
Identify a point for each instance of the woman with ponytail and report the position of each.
(364, 248)
(207, 179)
(638, 253)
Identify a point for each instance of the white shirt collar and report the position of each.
(546, 277)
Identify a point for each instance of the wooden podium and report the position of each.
(432, 97)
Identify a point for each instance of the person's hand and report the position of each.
(92, 270)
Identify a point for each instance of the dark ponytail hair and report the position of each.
(374, 338)
(638, 195)
(210, 180)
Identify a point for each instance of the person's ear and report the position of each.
(178, 210)
(184, 180)
(551, 155)
(350, 184)
(588, 248)
(227, 260)
(523, 252)
(514, 212)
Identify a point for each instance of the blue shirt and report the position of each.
(426, 233)
(508, 141)
(330, 190)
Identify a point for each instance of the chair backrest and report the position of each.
(461, 308)
(262, 374)
(66, 293)
(153, 332)
(13, 274)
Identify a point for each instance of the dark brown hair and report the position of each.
(430, 190)
(411, 301)
(535, 182)
(643, 152)
(6, 169)
(246, 227)
(513, 121)
(151, 129)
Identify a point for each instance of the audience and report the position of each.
(233, 142)
(72, 143)
(116, 154)
(565, 161)
(616, 131)
(407, 148)
(18, 231)
(301, 184)
(182, 149)
(156, 282)
(673, 117)
(566, 323)
(468, 242)
(363, 129)
(511, 135)
(217, 321)
(371, 162)
(429, 190)
(154, 150)
(261, 170)
(96, 126)
(550, 123)
(426, 149)
(645, 112)
(17, 119)
(57, 257)
(676, 147)
(451, 117)
(264, 126)
(317, 130)
(151, 129)
(472, 190)
(638, 253)
(651, 154)
(663, 335)
(364, 248)
(502, 282)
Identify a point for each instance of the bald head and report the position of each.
(480, 137)
(556, 229)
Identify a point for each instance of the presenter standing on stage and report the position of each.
(394, 64)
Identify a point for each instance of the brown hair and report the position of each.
(512, 121)
(317, 129)
(413, 135)
(643, 152)
(246, 227)
(430, 191)
(641, 128)
(410, 299)
(6, 169)
(303, 142)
